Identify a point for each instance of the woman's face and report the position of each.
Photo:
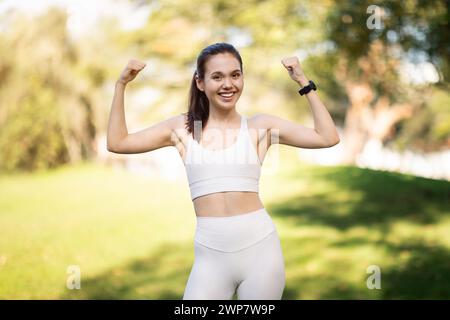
(222, 75)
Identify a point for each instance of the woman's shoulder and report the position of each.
(180, 120)
(179, 125)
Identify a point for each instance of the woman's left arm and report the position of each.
(323, 135)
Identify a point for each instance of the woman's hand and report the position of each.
(295, 70)
(131, 70)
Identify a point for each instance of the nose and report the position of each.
(227, 83)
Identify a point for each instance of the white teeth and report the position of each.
(226, 94)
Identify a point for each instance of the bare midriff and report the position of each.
(225, 204)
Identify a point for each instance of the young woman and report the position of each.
(236, 244)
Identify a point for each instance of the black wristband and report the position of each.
(308, 88)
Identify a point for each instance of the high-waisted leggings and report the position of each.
(236, 254)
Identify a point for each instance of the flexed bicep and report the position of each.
(154, 137)
(287, 132)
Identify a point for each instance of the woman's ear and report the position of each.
(199, 83)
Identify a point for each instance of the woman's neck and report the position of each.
(222, 118)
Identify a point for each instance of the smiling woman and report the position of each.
(237, 248)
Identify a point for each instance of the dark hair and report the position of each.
(198, 107)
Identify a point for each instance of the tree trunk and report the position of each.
(363, 123)
(357, 120)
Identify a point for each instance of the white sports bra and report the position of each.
(235, 168)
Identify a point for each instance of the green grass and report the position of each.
(132, 236)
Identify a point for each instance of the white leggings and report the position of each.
(238, 254)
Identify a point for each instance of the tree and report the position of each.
(370, 59)
(49, 90)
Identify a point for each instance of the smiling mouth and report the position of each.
(227, 95)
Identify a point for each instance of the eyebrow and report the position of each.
(219, 72)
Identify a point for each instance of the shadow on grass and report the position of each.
(381, 198)
(333, 283)
(424, 273)
(421, 270)
(161, 275)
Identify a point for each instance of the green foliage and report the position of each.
(31, 138)
(429, 130)
(49, 88)
(411, 27)
(177, 30)
(415, 31)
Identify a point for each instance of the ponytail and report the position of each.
(198, 108)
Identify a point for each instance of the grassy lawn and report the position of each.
(131, 236)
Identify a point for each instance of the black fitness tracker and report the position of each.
(308, 88)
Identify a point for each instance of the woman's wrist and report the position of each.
(120, 83)
(302, 81)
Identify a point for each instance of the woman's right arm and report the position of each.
(118, 139)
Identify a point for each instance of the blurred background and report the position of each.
(378, 198)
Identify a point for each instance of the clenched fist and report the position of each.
(131, 70)
(295, 70)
